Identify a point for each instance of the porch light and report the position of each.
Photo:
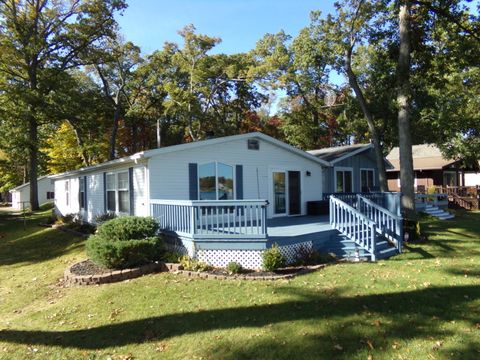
(308, 173)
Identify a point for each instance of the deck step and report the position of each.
(438, 213)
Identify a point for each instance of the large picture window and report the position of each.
(118, 193)
(215, 181)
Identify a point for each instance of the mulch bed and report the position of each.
(88, 267)
(255, 273)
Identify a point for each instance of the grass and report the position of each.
(423, 304)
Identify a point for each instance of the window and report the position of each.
(343, 181)
(215, 181)
(118, 192)
(111, 203)
(50, 195)
(81, 195)
(123, 193)
(279, 193)
(367, 179)
(449, 178)
(67, 192)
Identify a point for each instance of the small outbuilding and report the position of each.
(21, 194)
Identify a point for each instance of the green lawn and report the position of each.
(424, 304)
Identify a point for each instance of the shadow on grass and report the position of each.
(33, 244)
(348, 321)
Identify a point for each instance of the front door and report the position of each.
(294, 201)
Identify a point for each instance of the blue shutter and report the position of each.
(104, 192)
(239, 181)
(130, 190)
(85, 193)
(193, 181)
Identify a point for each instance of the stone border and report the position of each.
(69, 231)
(125, 274)
(112, 276)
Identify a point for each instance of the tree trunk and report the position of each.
(80, 143)
(352, 79)
(159, 134)
(33, 160)
(113, 135)
(403, 100)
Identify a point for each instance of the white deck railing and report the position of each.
(353, 224)
(222, 219)
(386, 223)
(431, 199)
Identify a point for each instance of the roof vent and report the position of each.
(253, 144)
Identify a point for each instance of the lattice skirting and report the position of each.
(249, 259)
(290, 251)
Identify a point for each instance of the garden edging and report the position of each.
(126, 274)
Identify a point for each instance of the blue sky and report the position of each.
(239, 23)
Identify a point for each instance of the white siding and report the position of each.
(168, 173)
(95, 196)
(44, 185)
(472, 179)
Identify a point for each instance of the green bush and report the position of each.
(272, 259)
(234, 268)
(171, 257)
(412, 228)
(305, 255)
(128, 228)
(193, 264)
(125, 242)
(100, 219)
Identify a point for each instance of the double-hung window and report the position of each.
(343, 181)
(215, 181)
(367, 179)
(81, 195)
(118, 192)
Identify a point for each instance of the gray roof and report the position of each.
(425, 157)
(338, 153)
(190, 146)
(27, 184)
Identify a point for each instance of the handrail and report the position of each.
(386, 223)
(467, 204)
(212, 219)
(353, 224)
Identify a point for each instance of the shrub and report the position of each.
(272, 259)
(412, 228)
(306, 255)
(193, 264)
(128, 228)
(125, 242)
(100, 219)
(234, 268)
(171, 257)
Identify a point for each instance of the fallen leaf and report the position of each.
(338, 347)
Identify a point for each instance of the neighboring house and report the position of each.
(21, 194)
(223, 199)
(431, 169)
(353, 168)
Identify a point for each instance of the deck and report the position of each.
(298, 229)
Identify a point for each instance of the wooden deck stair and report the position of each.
(343, 247)
(368, 229)
(437, 212)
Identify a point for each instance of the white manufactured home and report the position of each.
(21, 194)
(223, 199)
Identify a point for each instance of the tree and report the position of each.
(39, 40)
(403, 99)
(351, 28)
